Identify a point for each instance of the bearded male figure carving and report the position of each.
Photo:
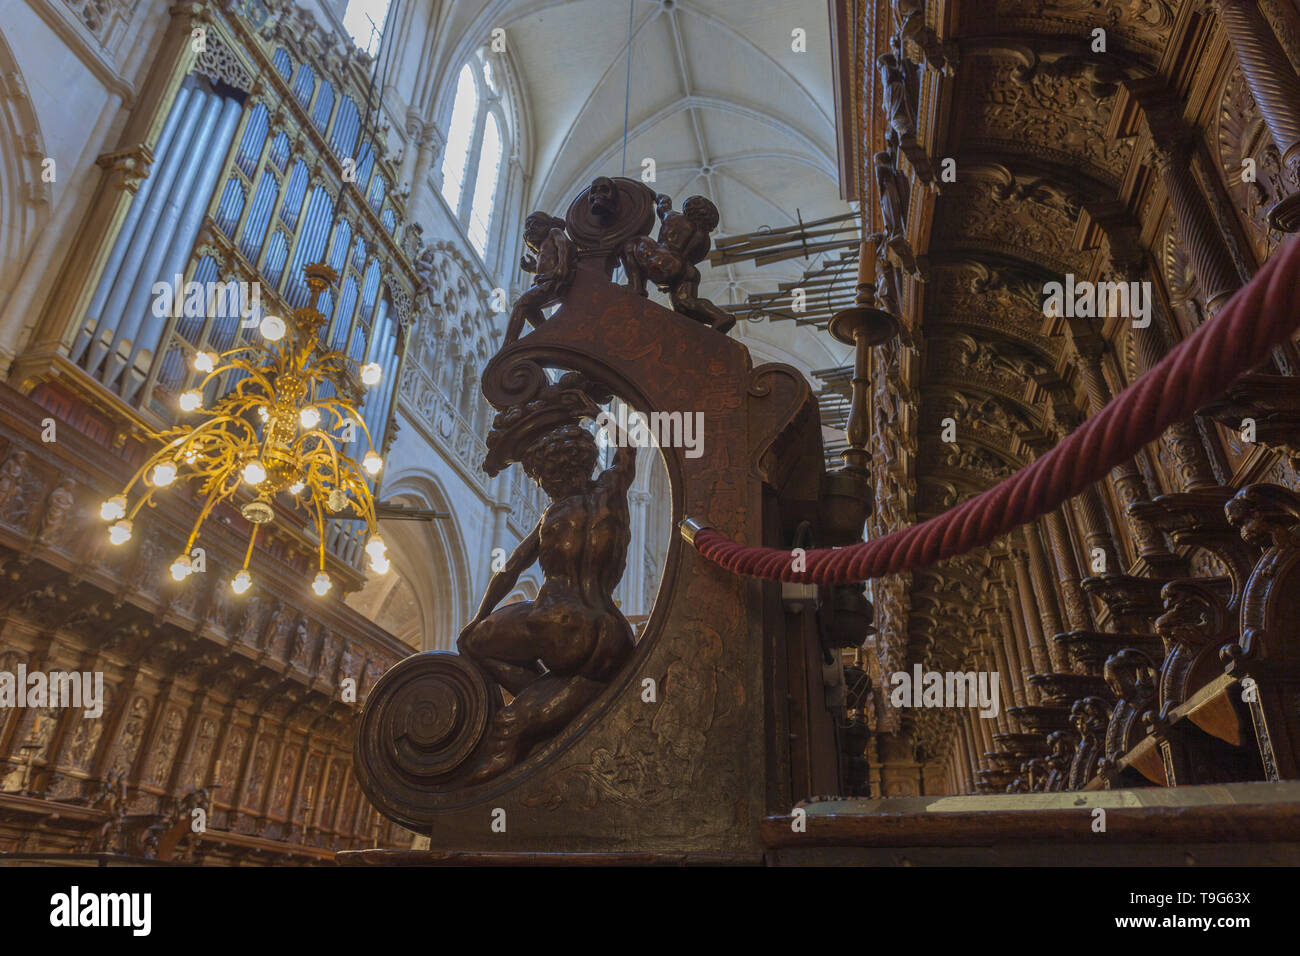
(670, 262)
(555, 654)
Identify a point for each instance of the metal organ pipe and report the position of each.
(186, 231)
(126, 234)
(136, 294)
(117, 285)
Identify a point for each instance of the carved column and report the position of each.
(1077, 612)
(1276, 88)
(1010, 637)
(985, 729)
(1125, 478)
(1045, 593)
(1206, 248)
(1182, 438)
(995, 661)
(972, 752)
(1091, 513)
(1029, 611)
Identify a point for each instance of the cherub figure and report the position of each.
(670, 262)
(552, 264)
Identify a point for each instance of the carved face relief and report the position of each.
(602, 199)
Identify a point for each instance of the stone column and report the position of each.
(428, 148)
(1276, 88)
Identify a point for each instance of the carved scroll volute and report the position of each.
(423, 720)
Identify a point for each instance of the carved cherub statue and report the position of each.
(670, 262)
(552, 263)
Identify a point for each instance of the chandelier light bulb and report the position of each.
(376, 548)
(190, 401)
(164, 473)
(181, 568)
(309, 416)
(380, 564)
(120, 533)
(321, 584)
(372, 463)
(272, 328)
(241, 582)
(113, 508)
(371, 374)
(254, 473)
(204, 362)
(262, 413)
(296, 488)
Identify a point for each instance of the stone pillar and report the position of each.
(429, 147)
(1029, 612)
(1276, 88)
(639, 501)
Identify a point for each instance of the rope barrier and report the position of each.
(1261, 315)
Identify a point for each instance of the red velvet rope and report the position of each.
(1260, 316)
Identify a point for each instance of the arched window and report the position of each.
(460, 136)
(364, 21)
(485, 184)
(476, 145)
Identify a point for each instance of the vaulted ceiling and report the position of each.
(715, 96)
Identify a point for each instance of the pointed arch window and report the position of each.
(460, 136)
(477, 142)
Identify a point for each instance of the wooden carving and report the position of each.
(577, 756)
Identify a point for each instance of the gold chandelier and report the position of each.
(283, 427)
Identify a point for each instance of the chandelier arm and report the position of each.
(249, 553)
(320, 531)
(329, 403)
(215, 497)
